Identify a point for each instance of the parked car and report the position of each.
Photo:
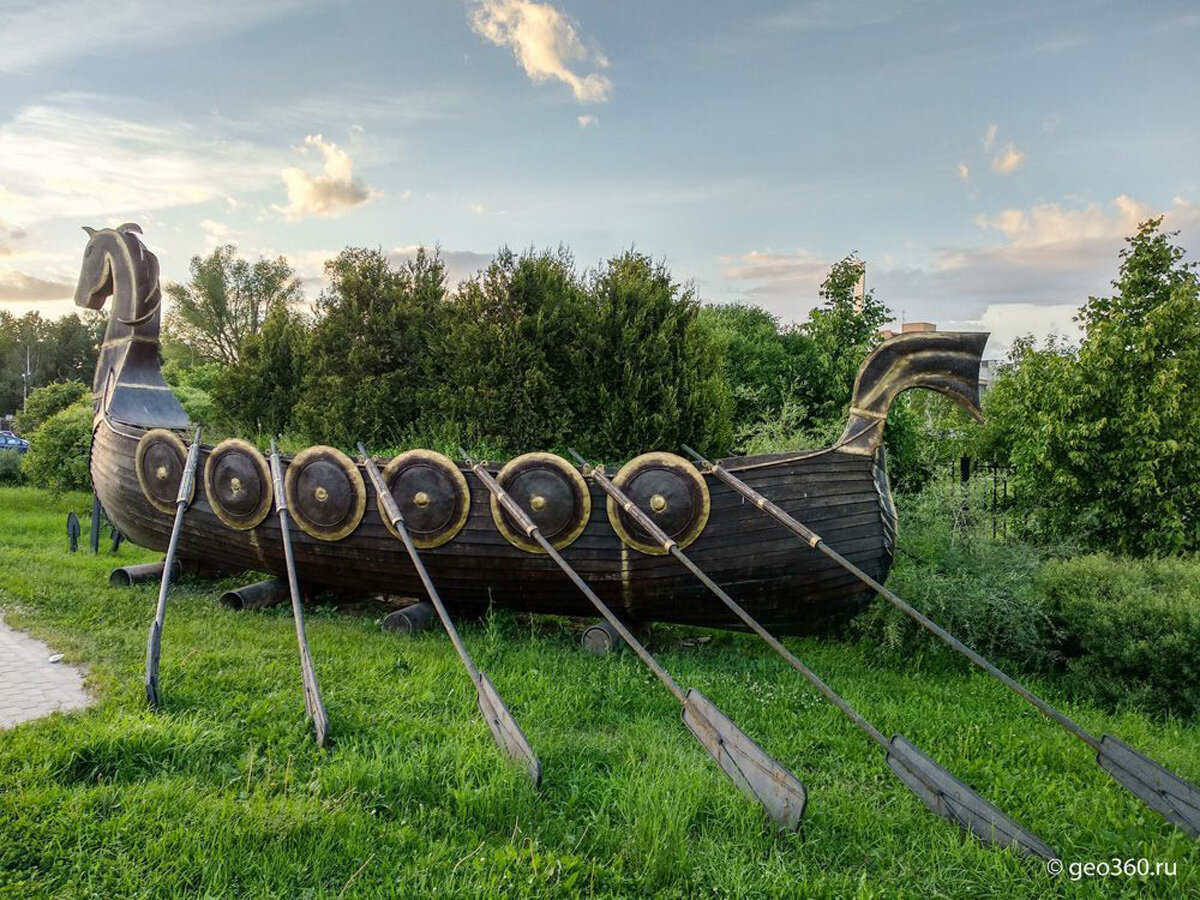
(9, 441)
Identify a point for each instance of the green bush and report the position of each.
(59, 449)
(1114, 630)
(10, 467)
(197, 403)
(1128, 630)
(45, 401)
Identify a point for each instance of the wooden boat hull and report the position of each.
(789, 587)
(841, 493)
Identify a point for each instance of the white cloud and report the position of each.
(587, 121)
(73, 157)
(1008, 159)
(1046, 257)
(545, 42)
(330, 193)
(39, 31)
(460, 264)
(964, 172)
(216, 233)
(17, 286)
(989, 137)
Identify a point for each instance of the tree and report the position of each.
(259, 393)
(61, 350)
(655, 371)
(1107, 438)
(371, 363)
(48, 400)
(226, 300)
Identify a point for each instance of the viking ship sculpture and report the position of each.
(779, 544)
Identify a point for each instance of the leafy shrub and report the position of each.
(197, 403)
(45, 401)
(1115, 630)
(1128, 630)
(58, 450)
(10, 467)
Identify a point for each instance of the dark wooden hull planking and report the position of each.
(789, 587)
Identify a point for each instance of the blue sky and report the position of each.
(985, 159)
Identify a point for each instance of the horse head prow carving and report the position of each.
(128, 386)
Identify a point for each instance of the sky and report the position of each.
(986, 160)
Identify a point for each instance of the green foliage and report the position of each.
(654, 370)
(1129, 630)
(45, 401)
(61, 350)
(1107, 438)
(1118, 631)
(10, 467)
(370, 366)
(197, 403)
(759, 360)
(58, 451)
(226, 300)
(259, 393)
(514, 352)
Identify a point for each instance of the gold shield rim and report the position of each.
(520, 540)
(456, 474)
(170, 437)
(626, 473)
(357, 486)
(254, 519)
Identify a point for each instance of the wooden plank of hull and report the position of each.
(789, 588)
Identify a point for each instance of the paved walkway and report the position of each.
(30, 685)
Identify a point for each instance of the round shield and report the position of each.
(551, 492)
(432, 495)
(237, 482)
(325, 493)
(670, 491)
(159, 462)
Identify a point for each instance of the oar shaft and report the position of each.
(652, 528)
(187, 483)
(815, 541)
(391, 509)
(534, 534)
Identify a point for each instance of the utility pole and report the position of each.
(25, 378)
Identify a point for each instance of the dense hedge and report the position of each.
(1114, 630)
(10, 467)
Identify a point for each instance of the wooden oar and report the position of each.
(1160, 789)
(758, 776)
(187, 484)
(936, 788)
(505, 730)
(314, 709)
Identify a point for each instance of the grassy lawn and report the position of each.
(223, 793)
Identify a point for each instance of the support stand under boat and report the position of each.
(755, 773)
(936, 788)
(1160, 789)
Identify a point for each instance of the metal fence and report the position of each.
(987, 499)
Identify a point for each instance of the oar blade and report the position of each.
(951, 799)
(755, 773)
(505, 729)
(1163, 791)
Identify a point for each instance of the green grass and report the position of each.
(223, 794)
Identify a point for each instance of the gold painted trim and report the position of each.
(264, 472)
(152, 436)
(433, 458)
(674, 463)
(523, 541)
(356, 484)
